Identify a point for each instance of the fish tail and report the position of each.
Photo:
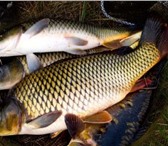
(156, 32)
(152, 30)
(163, 43)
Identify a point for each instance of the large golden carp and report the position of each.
(67, 93)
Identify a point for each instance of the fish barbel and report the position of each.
(49, 35)
(60, 95)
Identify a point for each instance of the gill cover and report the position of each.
(9, 41)
(11, 116)
(11, 73)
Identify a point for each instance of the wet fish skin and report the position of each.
(12, 74)
(49, 58)
(135, 104)
(86, 81)
(70, 77)
(46, 59)
(128, 115)
(74, 86)
(70, 37)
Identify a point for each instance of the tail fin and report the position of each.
(152, 30)
(156, 32)
(163, 43)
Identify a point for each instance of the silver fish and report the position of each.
(49, 35)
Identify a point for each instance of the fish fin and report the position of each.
(140, 84)
(113, 44)
(45, 120)
(74, 125)
(62, 139)
(37, 27)
(76, 41)
(77, 52)
(33, 62)
(55, 134)
(76, 142)
(128, 41)
(163, 43)
(134, 45)
(99, 118)
(153, 29)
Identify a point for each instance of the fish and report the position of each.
(67, 94)
(48, 35)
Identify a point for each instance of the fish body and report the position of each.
(49, 35)
(83, 86)
(74, 86)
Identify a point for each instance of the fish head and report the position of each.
(9, 41)
(11, 73)
(12, 116)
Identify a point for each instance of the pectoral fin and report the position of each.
(45, 120)
(37, 27)
(55, 134)
(140, 84)
(74, 124)
(76, 41)
(134, 45)
(128, 41)
(99, 118)
(113, 44)
(33, 62)
(76, 143)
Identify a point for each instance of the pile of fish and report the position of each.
(51, 92)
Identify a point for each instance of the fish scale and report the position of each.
(102, 33)
(76, 85)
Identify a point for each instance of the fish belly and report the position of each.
(57, 126)
(52, 42)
